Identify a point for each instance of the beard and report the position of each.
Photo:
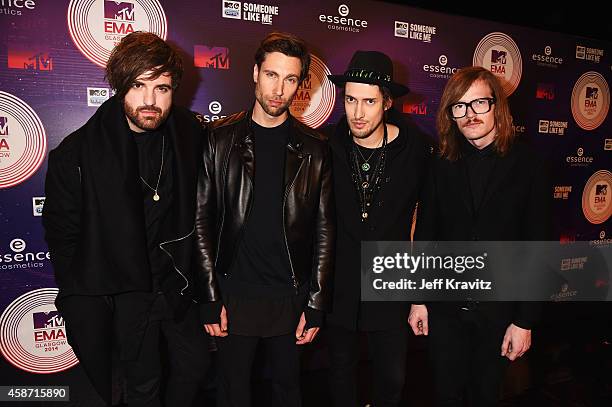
(145, 123)
(274, 111)
(365, 132)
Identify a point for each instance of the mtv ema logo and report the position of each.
(597, 197)
(211, 57)
(96, 26)
(30, 57)
(121, 11)
(23, 142)
(499, 53)
(590, 100)
(33, 334)
(316, 96)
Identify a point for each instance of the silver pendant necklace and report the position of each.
(161, 168)
(365, 166)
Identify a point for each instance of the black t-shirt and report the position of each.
(262, 254)
(149, 145)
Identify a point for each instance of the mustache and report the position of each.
(149, 108)
(472, 121)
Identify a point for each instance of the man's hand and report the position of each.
(218, 329)
(302, 335)
(516, 342)
(417, 319)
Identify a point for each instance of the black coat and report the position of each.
(391, 219)
(516, 206)
(94, 217)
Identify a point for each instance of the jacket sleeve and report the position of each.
(62, 211)
(325, 240)
(206, 223)
(537, 226)
(426, 226)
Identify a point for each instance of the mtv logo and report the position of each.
(50, 319)
(543, 126)
(415, 108)
(601, 189)
(30, 57)
(118, 10)
(545, 91)
(38, 203)
(211, 57)
(4, 129)
(498, 57)
(401, 29)
(97, 96)
(98, 92)
(592, 93)
(231, 9)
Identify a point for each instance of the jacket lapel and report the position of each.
(184, 133)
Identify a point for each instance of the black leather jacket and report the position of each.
(225, 190)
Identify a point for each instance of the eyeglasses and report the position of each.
(478, 106)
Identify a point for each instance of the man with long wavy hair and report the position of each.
(486, 185)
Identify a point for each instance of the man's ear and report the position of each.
(255, 73)
(388, 103)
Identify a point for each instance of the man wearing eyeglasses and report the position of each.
(489, 186)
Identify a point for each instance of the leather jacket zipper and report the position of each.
(294, 279)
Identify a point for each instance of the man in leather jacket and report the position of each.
(265, 229)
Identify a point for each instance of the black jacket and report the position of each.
(391, 218)
(93, 214)
(516, 206)
(225, 189)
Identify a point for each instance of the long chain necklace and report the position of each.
(161, 168)
(367, 184)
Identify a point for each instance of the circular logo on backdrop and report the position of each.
(316, 96)
(96, 26)
(23, 143)
(499, 53)
(33, 334)
(597, 197)
(590, 100)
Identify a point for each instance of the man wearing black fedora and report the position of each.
(376, 154)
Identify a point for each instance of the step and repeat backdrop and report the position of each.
(52, 55)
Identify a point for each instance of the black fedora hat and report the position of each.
(371, 67)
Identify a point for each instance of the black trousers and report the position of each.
(235, 362)
(91, 332)
(465, 354)
(387, 350)
(188, 359)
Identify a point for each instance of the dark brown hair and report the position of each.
(455, 88)
(140, 52)
(287, 44)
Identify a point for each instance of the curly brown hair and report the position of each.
(141, 52)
